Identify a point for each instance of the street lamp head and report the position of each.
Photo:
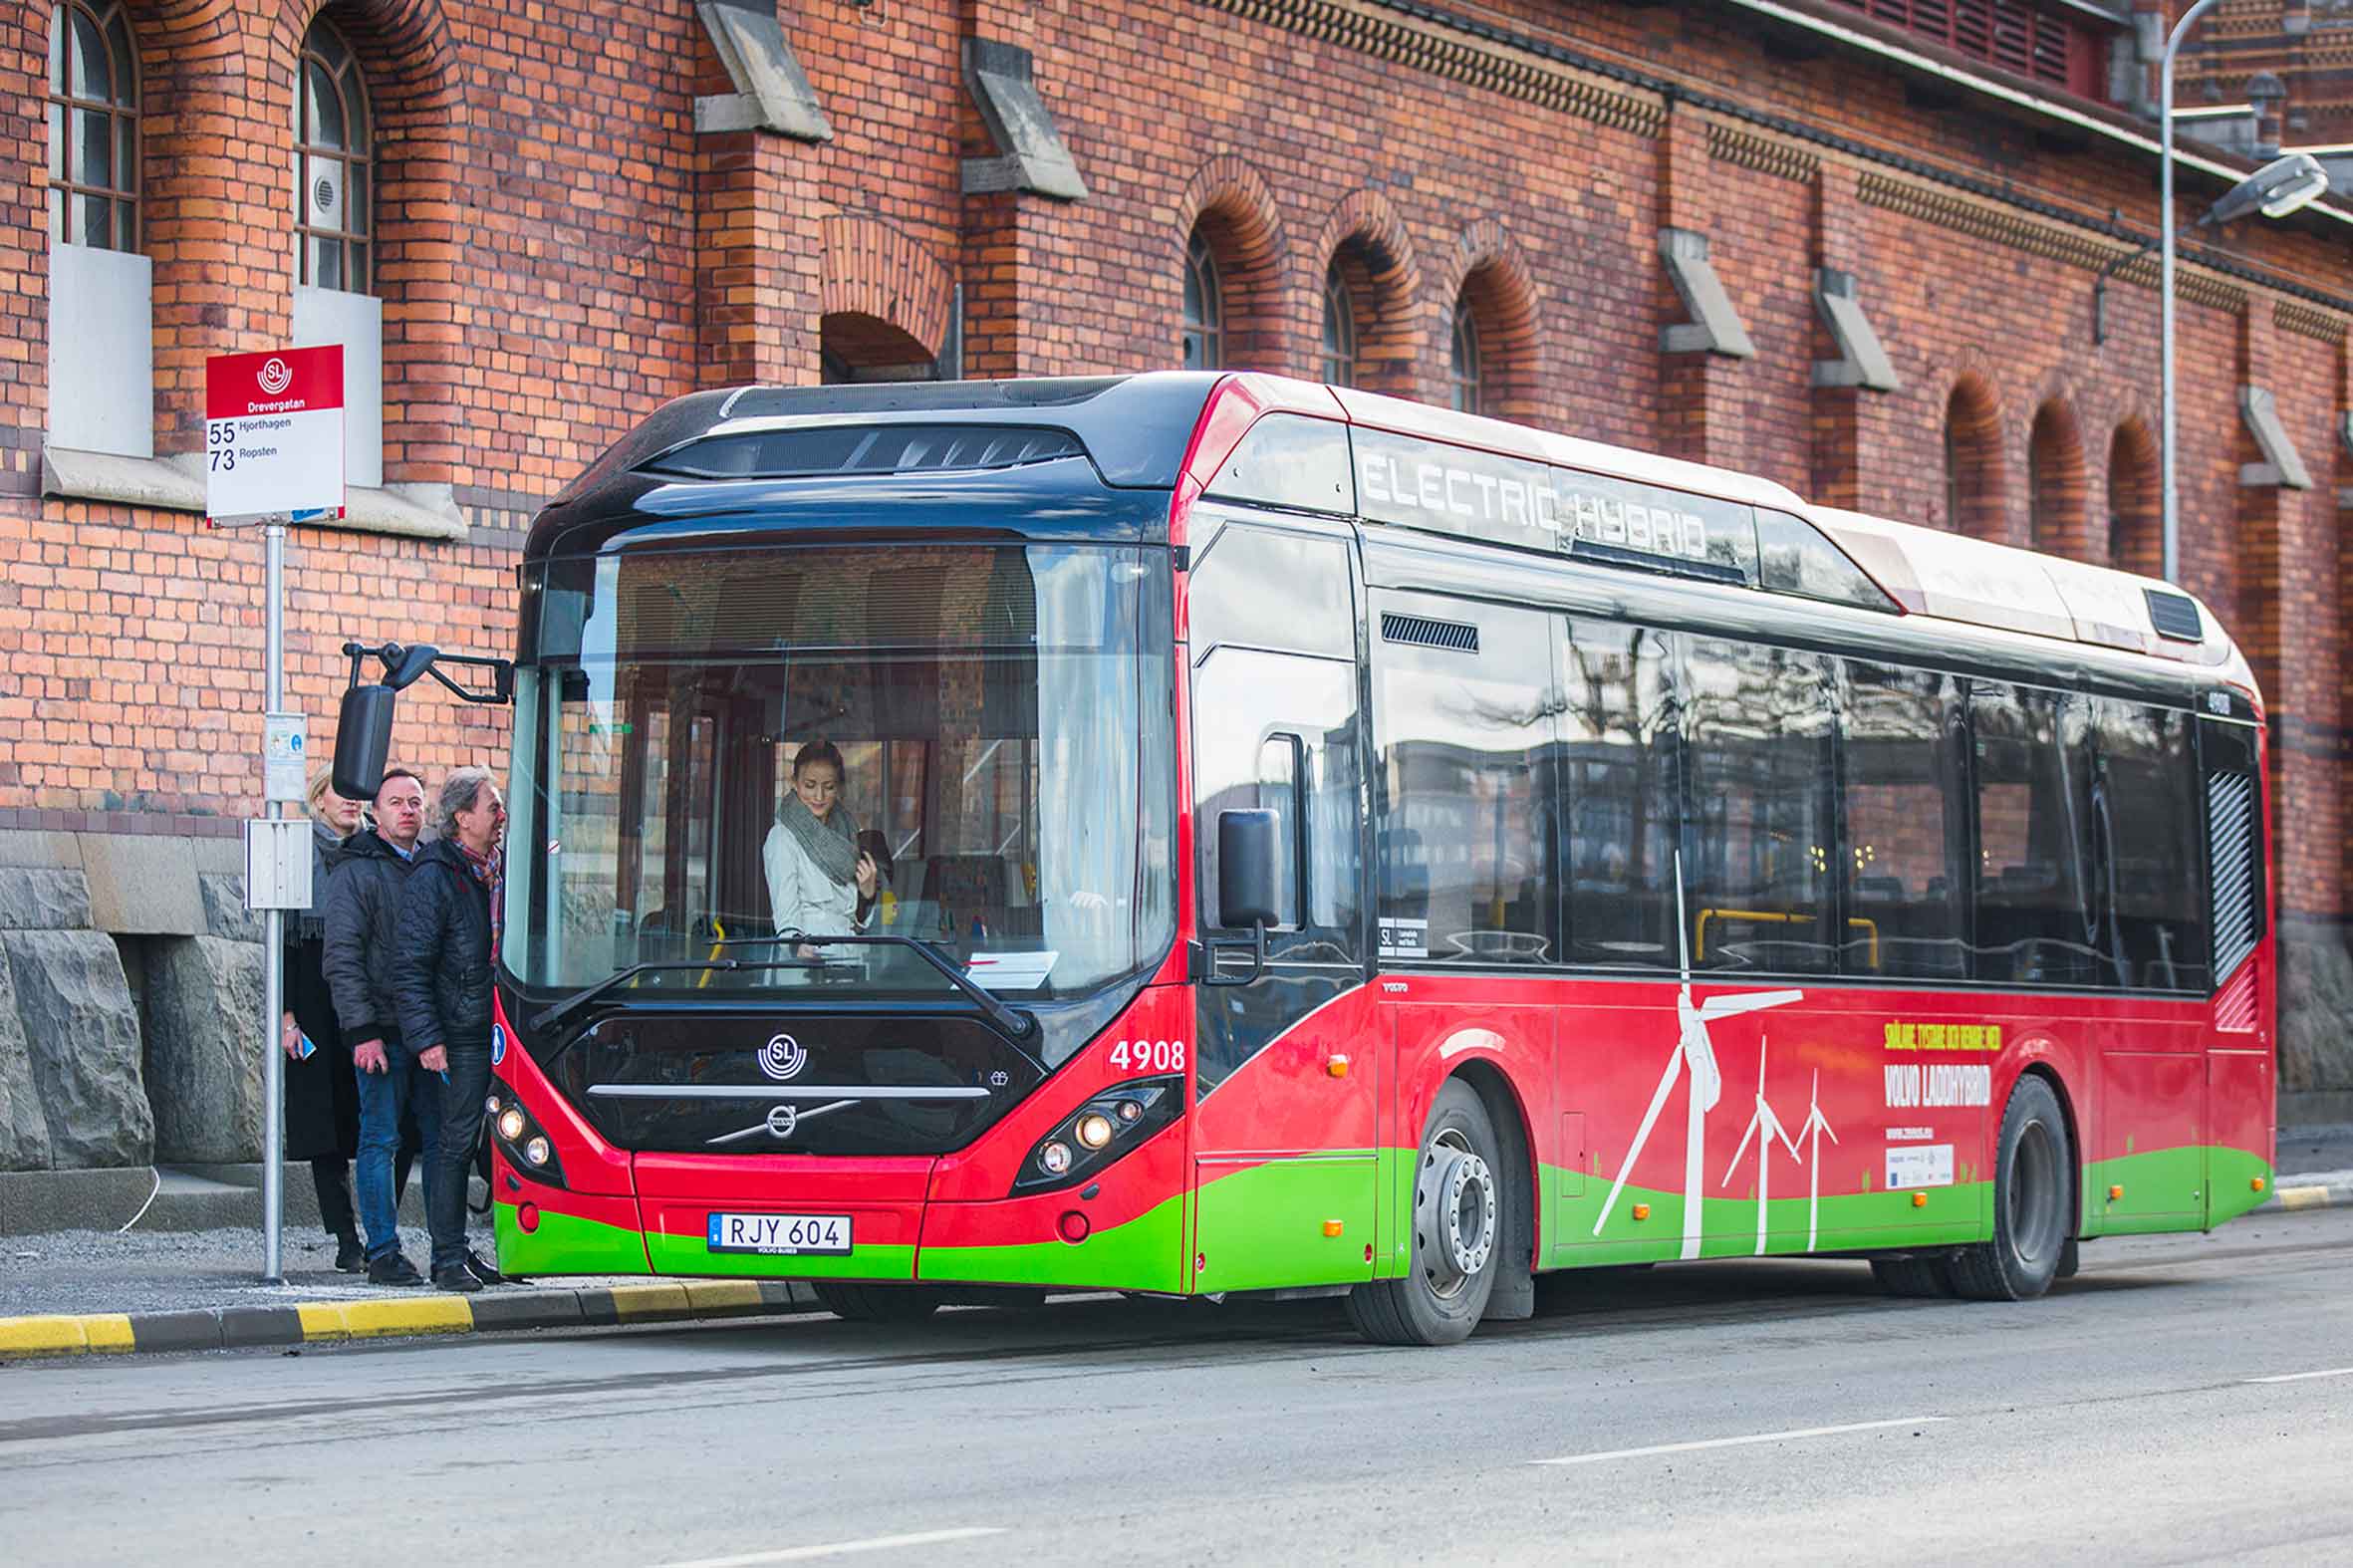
(2279, 188)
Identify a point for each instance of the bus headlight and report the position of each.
(536, 1150)
(520, 1138)
(511, 1124)
(1101, 1130)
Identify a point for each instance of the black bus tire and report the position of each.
(1919, 1274)
(878, 1303)
(1457, 1228)
(2033, 1190)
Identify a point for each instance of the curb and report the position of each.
(2321, 1190)
(240, 1328)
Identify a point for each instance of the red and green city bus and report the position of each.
(1339, 844)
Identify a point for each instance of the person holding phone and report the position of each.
(818, 881)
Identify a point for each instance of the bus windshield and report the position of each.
(983, 729)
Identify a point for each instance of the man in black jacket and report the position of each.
(399, 1102)
(444, 944)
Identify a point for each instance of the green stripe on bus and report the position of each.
(566, 1244)
(1146, 1253)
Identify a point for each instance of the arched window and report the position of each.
(333, 194)
(1204, 307)
(2054, 462)
(93, 127)
(1973, 502)
(1465, 389)
(2135, 523)
(1339, 329)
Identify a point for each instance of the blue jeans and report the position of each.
(402, 1093)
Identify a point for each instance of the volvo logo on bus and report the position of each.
(782, 1058)
(781, 1121)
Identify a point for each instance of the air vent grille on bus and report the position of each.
(809, 452)
(2175, 616)
(1429, 633)
(2230, 859)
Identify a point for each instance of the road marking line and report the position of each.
(2300, 1377)
(873, 1543)
(1736, 1442)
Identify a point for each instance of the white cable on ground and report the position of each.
(143, 1208)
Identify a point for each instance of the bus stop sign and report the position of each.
(273, 435)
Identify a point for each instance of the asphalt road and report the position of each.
(2185, 1399)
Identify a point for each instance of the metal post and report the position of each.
(2171, 504)
(273, 1072)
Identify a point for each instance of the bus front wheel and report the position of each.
(1458, 1225)
(2033, 1190)
(878, 1303)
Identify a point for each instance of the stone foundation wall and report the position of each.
(96, 1072)
(2316, 1005)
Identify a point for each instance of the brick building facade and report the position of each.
(1651, 223)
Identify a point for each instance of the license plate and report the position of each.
(781, 1235)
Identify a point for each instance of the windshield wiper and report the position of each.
(556, 1012)
(1012, 1022)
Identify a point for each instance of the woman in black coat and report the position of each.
(321, 1096)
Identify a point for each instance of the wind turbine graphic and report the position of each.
(1811, 1130)
(1693, 1050)
(1763, 1122)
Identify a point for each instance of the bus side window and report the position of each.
(2152, 893)
(2033, 801)
(1619, 818)
(1906, 824)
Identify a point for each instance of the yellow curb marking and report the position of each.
(65, 1336)
(722, 1295)
(417, 1315)
(2303, 1198)
(322, 1321)
(648, 1301)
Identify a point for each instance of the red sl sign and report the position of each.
(274, 433)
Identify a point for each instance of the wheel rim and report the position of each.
(1454, 1215)
(2034, 1194)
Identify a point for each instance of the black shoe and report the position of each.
(350, 1256)
(484, 1273)
(456, 1277)
(393, 1268)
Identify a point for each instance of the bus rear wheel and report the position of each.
(1457, 1227)
(878, 1303)
(2033, 1190)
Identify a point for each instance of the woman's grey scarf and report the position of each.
(830, 843)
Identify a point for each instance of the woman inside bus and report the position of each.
(819, 880)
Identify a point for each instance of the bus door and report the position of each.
(1285, 1127)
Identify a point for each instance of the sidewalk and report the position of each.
(75, 1291)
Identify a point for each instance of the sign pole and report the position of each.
(273, 1056)
(274, 454)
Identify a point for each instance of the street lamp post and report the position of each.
(2171, 502)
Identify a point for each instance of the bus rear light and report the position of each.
(1100, 1131)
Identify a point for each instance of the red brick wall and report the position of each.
(561, 252)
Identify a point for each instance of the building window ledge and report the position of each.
(177, 484)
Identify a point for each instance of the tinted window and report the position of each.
(1906, 823)
(1794, 558)
(1267, 588)
(1756, 860)
(1467, 807)
(1622, 791)
(2033, 762)
(2148, 814)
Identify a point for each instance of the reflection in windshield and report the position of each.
(992, 739)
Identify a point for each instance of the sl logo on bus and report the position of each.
(782, 1057)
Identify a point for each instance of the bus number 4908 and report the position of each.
(1149, 1056)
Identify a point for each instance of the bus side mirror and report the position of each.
(1248, 859)
(363, 739)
